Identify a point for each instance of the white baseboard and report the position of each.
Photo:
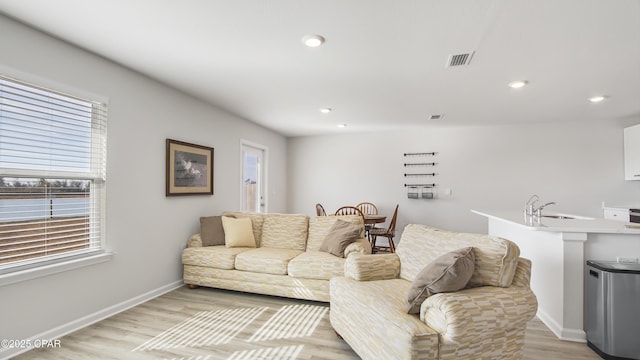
(85, 321)
(575, 335)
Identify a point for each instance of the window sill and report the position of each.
(41, 271)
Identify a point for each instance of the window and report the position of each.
(52, 176)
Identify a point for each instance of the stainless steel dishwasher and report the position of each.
(613, 309)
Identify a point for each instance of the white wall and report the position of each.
(145, 229)
(577, 165)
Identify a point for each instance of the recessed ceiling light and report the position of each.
(312, 40)
(342, 125)
(518, 84)
(325, 110)
(595, 99)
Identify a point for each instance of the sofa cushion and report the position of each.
(266, 260)
(320, 226)
(256, 222)
(285, 231)
(496, 258)
(211, 230)
(238, 232)
(449, 272)
(316, 265)
(219, 257)
(342, 234)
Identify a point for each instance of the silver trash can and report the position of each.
(613, 309)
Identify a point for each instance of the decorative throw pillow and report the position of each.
(449, 272)
(211, 230)
(238, 232)
(341, 234)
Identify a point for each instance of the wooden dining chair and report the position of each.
(368, 208)
(320, 210)
(350, 210)
(389, 233)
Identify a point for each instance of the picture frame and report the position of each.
(189, 169)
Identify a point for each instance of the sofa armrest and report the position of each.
(372, 267)
(522, 276)
(361, 246)
(478, 313)
(194, 241)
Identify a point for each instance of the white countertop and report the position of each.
(593, 225)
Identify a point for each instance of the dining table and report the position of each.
(372, 219)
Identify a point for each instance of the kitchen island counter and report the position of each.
(578, 224)
(558, 249)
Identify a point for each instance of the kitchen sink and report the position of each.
(566, 217)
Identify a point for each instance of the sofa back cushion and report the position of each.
(256, 222)
(320, 226)
(285, 231)
(496, 259)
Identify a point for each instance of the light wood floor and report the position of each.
(151, 331)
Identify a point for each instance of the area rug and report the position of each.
(243, 333)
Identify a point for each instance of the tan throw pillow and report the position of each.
(238, 232)
(449, 272)
(211, 230)
(342, 234)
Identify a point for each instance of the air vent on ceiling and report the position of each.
(436, 117)
(459, 59)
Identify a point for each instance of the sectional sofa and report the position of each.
(370, 295)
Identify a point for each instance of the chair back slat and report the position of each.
(368, 208)
(392, 224)
(350, 210)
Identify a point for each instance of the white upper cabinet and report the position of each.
(632, 153)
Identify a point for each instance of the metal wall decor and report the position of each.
(419, 170)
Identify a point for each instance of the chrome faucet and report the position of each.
(528, 207)
(538, 211)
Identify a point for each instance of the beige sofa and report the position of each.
(286, 262)
(485, 320)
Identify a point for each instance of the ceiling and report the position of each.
(383, 65)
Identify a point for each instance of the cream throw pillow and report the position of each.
(449, 272)
(238, 232)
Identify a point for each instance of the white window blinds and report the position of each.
(52, 175)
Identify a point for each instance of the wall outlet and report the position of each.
(627, 260)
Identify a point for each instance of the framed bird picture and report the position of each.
(189, 169)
